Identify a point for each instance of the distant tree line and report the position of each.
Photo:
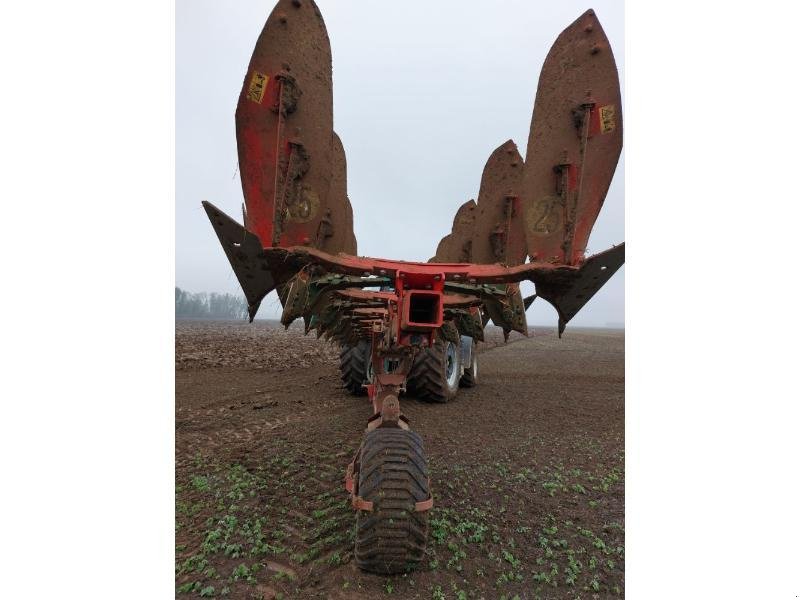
(209, 306)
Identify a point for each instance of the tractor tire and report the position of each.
(355, 366)
(470, 377)
(436, 371)
(393, 475)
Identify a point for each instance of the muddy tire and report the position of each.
(393, 475)
(436, 371)
(355, 366)
(470, 377)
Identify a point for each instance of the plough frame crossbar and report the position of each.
(261, 270)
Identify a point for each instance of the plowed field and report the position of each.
(526, 469)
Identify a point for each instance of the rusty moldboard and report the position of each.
(336, 228)
(291, 163)
(457, 245)
(574, 143)
(497, 234)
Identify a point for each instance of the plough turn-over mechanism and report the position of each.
(406, 326)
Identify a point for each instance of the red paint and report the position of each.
(258, 132)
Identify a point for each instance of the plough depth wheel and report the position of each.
(393, 475)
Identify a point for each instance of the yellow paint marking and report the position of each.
(607, 121)
(258, 84)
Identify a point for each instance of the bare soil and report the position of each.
(527, 469)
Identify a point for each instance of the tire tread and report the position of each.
(393, 475)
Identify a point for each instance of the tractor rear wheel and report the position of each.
(393, 475)
(436, 372)
(355, 366)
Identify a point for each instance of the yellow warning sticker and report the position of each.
(607, 118)
(258, 84)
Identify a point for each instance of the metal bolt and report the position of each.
(595, 49)
(296, 3)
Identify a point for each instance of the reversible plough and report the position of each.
(409, 326)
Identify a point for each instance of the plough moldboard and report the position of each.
(409, 326)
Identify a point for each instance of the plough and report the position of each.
(410, 326)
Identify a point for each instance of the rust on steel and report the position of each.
(291, 163)
(491, 230)
(338, 233)
(457, 245)
(574, 143)
(498, 235)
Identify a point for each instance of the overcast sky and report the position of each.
(423, 92)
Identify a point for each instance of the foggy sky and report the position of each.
(423, 93)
